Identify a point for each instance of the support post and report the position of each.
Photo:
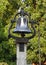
(21, 51)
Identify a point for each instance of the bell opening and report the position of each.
(21, 30)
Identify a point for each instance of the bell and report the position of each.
(22, 25)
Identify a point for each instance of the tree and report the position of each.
(37, 10)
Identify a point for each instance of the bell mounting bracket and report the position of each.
(31, 22)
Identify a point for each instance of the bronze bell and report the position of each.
(22, 25)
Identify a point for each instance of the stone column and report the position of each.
(21, 51)
(21, 54)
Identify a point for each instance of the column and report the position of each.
(21, 53)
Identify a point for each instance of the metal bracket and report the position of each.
(31, 22)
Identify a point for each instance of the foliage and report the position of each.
(37, 10)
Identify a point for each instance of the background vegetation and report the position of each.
(37, 10)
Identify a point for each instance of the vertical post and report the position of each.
(39, 45)
(21, 52)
